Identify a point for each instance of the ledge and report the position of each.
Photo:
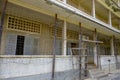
(34, 56)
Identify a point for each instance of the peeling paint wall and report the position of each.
(26, 66)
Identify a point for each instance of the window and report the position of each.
(18, 23)
(20, 45)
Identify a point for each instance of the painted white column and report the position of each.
(112, 46)
(95, 48)
(64, 38)
(65, 1)
(110, 19)
(93, 8)
(118, 2)
(119, 25)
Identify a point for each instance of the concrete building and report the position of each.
(59, 39)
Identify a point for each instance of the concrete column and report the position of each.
(110, 20)
(95, 48)
(119, 26)
(93, 8)
(3, 12)
(64, 38)
(118, 2)
(65, 1)
(112, 46)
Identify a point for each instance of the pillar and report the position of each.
(93, 8)
(118, 2)
(64, 38)
(54, 49)
(112, 45)
(4, 5)
(110, 20)
(65, 1)
(95, 48)
(119, 26)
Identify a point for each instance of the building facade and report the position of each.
(43, 39)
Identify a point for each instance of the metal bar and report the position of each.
(80, 45)
(86, 63)
(2, 19)
(72, 63)
(54, 48)
(116, 53)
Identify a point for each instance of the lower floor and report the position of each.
(66, 67)
(17, 40)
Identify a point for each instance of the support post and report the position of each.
(54, 49)
(110, 20)
(119, 26)
(65, 1)
(95, 48)
(64, 38)
(118, 2)
(112, 46)
(2, 19)
(93, 9)
(80, 46)
(116, 53)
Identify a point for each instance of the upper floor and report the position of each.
(107, 11)
(91, 13)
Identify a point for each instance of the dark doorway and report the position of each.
(20, 45)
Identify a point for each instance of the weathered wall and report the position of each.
(45, 37)
(66, 75)
(21, 66)
(105, 63)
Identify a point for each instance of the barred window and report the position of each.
(58, 33)
(18, 23)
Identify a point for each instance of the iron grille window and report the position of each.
(20, 45)
(18, 23)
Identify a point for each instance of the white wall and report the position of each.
(31, 65)
(105, 63)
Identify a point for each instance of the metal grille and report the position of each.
(59, 32)
(70, 33)
(22, 24)
(20, 45)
